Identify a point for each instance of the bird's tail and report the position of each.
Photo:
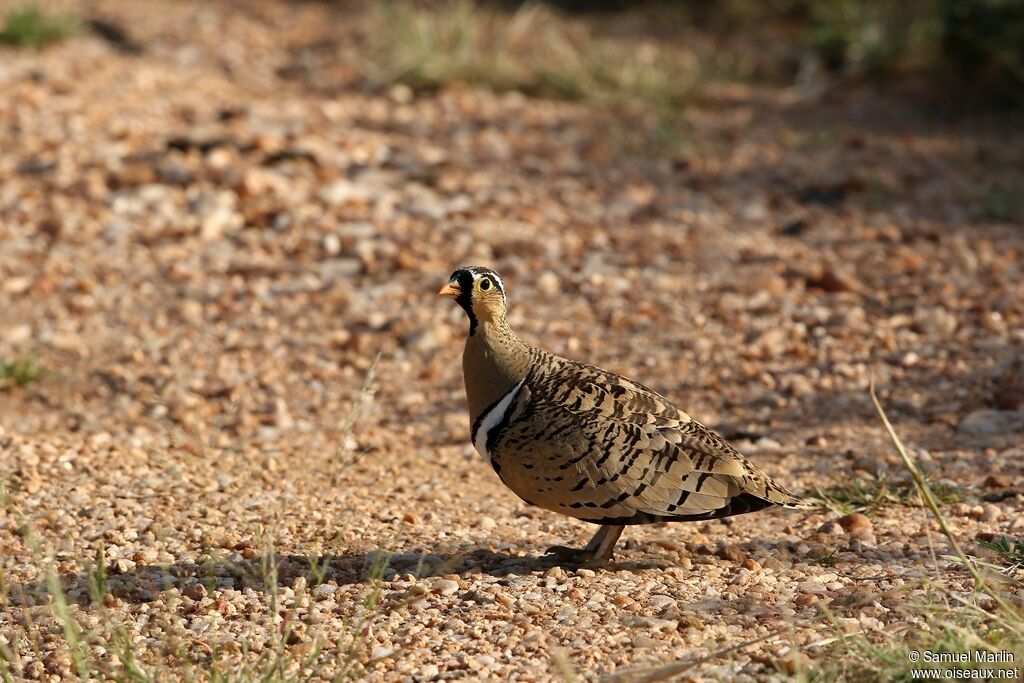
(778, 494)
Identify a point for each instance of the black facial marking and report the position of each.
(463, 277)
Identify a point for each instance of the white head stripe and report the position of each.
(494, 276)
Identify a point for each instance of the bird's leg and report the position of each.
(599, 549)
(604, 541)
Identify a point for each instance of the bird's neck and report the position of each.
(493, 362)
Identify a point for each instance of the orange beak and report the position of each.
(450, 289)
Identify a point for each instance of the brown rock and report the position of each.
(830, 280)
(856, 525)
(731, 553)
(410, 518)
(997, 481)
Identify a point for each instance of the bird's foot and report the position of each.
(575, 556)
(597, 552)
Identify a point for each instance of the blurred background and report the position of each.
(170, 166)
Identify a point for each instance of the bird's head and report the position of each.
(479, 291)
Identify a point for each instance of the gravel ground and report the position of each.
(208, 244)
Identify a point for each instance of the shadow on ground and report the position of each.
(140, 584)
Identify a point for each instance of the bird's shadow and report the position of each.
(134, 583)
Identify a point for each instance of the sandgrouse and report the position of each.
(589, 443)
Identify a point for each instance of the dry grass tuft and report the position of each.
(533, 50)
(19, 373)
(989, 622)
(875, 493)
(28, 26)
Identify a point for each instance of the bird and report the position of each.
(589, 443)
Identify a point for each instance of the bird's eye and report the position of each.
(485, 284)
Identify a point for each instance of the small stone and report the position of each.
(16, 285)
(381, 652)
(123, 566)
(661, 602)
(555, 573)
(486, 523)
(909, 359)
(623, 600)
(751, 564)
(217, 215)
(416, 590)
(799, 386)
(331, 244)
(504, 599)
(986, 513)
(446, 587)
(402, 94)
(548, 283)
(342, 192)
(805, 599)
(773, 563)
(756, 210)
(324, 590)
(831, 280)
(773, 342)
(586, 573)
(18, 334)
(767, 444)
(997, 481)
(936, 322)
